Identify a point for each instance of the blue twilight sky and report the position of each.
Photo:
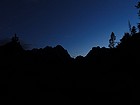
(77, 25)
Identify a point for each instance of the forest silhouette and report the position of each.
(49, 75)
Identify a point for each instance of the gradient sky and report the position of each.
(77, 25)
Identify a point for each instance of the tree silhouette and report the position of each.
(134, 30)
(112, 40)
(138, 7)
(15, 39)
(138, 26)
(124, 40)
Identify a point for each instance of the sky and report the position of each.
(77, 25)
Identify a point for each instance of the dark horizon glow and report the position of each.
(77, 25)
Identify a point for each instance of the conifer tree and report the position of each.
(112, 40)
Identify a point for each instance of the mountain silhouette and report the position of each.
(109, 74)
